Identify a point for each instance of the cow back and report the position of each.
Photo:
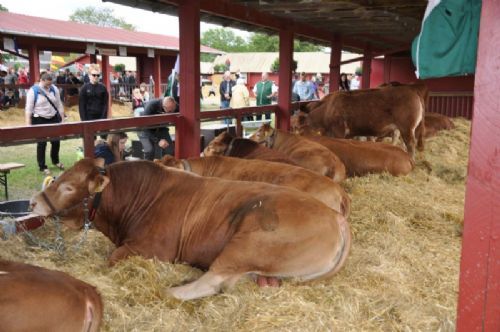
(362, 158)
(37, 299)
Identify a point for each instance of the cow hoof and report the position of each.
(268, 281)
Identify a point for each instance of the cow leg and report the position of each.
(409, 140)
(119, 254)
(395, 136)
(208, 284)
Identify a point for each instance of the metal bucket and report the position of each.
(14, 217)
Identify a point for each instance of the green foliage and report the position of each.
(275, 67)
(207, 57)
(7, 57)
(220, 68)
(261, 42)
(359, 71)
(302, 46)
(119, 68)
(3, 9)
(100, 16)
(223, 39)
(226, 40)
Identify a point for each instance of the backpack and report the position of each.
(36, 90)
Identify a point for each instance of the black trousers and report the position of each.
(41, 147)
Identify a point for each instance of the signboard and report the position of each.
(107, 51)
(90, 49)
(151, 53)
(122, 50)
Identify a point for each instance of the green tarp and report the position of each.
(447, 43)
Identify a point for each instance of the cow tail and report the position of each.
(420, 133)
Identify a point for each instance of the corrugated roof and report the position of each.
(24, 25)
(309, 62)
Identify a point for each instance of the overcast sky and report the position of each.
(61, 10)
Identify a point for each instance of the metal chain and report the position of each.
(86, 225)
(58, 246)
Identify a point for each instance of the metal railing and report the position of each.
(452, 104)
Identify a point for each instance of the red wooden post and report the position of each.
(34, 64)
(157, 75)
(387, 68)
(139, 63)
(367, 67)
(285, 77)
(187, 139)
(335, 58)
(479, 297)
(107, 82)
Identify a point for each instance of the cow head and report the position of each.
(263, 135)
(169, 161)
(219, 145)
(66, 194)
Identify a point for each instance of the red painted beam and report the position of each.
(285, 77)
(479, 296)
(187, 138)
(107, 83)
(367, 67)
(387, 68)
(34, 64)
(335, 57)
(157, 75)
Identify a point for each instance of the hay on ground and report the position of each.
(402, 273)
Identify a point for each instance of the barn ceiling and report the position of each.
(386, 24)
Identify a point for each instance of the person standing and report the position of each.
(303, 88)
(240, 97)
(43, 106)
(225, 90)
(93, 100)
(173, 87)
(264, 90)
(355, 82)
(157, 136)
(344, 84)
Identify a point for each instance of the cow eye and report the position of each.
(66, 188)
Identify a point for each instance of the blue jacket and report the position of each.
(103, 151)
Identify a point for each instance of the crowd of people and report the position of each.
(44, 103)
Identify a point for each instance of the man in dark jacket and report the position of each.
(225, 90)
(157, 136)
(93, 100)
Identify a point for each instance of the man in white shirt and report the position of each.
(44, 106)
(355, 82)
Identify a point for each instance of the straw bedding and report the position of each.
(401, 275)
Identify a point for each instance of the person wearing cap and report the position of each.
(44, 106)
(93, 100)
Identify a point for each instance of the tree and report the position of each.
(302, 46)
(261, 42)
(224, 40)
(275, 67)
(100, 16)
(3, 9)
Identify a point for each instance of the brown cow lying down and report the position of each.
(304, 153)
(228, 228)
(36, 299)
(227, 145)
(325, 190)
(314, 157)
(435, 122)
(362, 158)
(372, 112)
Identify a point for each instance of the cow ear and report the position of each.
(98, 184)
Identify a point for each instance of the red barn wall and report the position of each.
(402, 70)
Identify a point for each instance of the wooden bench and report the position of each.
(4, 171)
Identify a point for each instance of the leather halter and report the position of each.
(186, 165)
(95, 203)
(230, 147)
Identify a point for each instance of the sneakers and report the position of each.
(46, 171)
(60, 166)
